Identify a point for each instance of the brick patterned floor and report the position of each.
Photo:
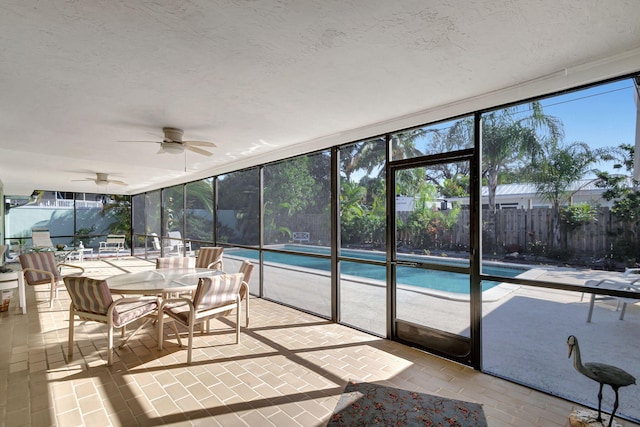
(289, 369)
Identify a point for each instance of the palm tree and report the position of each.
(555, 173)
(509, 136)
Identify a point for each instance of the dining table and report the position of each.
(159, 282)
(162, 282)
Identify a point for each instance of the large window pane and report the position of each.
(363, 195)
(239, 207)
(299, 281)
(437, 138)
(297, 199)
(362, 233)
(363, 296)
(233, 258)
(98, 215)
(70, 218)
(139, 242)
(152, 221)
(173, 217)
(557, 180)
(525, 331)
(199, 217)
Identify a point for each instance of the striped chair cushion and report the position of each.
(126, 312)
(42, 261)
(212, 292)
(93, 296)
(174, 262)
(246, 268)
(216, 291)
(207, 255)
(89, 295)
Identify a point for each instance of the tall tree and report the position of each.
(556, 171)
(509, 137)
(624, 190)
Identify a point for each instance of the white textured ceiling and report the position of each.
(265, 79)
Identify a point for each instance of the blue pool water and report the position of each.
(432, 279)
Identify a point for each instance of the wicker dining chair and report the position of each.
(91, 300)
(213, 297)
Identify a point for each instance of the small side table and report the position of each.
(79, 254)
(12, 280)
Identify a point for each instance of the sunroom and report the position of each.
(381, 215)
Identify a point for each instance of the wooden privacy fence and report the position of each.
(517, 230)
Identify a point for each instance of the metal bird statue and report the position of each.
(602, 373)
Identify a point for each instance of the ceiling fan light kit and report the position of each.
(172, 147)
(174, 144)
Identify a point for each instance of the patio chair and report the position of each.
(41, 268)
(210, 257)
(91, 300)
(41, 240)
(174, 262)
(626, 283)
(176, 243)
(213, 297)
(246, 268)
(114, 243)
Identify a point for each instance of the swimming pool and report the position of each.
(432, 279)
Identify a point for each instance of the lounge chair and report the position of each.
(630, 281)
(41, 240)
(176, 243)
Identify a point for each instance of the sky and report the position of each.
(602, 116)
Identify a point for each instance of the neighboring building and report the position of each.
(525, 196)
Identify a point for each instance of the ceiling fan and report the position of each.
(173, 143)
(102, 179)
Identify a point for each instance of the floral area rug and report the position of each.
(368, 404)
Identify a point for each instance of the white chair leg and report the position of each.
(71, 325)
(238, 310)
(124, 340)
(175, 331)
(52, 294)
(109, 344)
(190, 345)
(247, 309)
(160, 322)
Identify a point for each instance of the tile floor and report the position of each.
(289, 369)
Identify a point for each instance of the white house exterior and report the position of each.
(525, 196)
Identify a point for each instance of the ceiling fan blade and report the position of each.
(200, 143)
(117, 182)
(198, 150)
(83, 179)
(153, 142)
